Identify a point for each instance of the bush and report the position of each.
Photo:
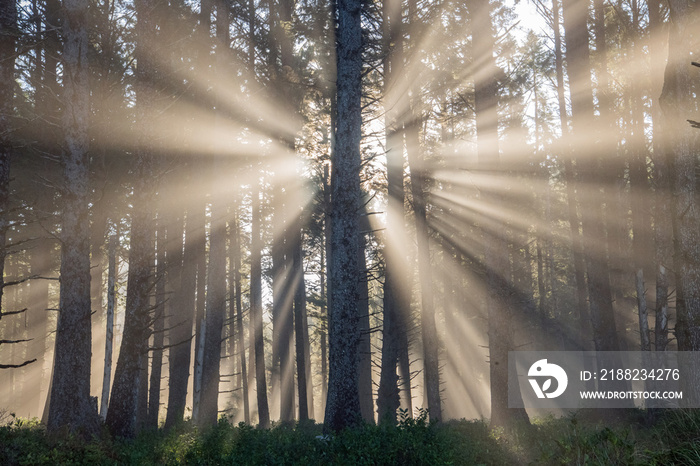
(674, 438)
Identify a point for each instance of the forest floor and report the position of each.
(635, 437)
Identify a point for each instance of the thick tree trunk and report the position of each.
(216, 309)
(8, 25)
(182, 278)
(70, 392)
(123, 408)
(678, 104)
(343, 403)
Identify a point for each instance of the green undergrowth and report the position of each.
(635, 438)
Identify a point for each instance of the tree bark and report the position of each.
(639, 185)
(431, 344)
(299, 311)
(182, 277)
(256, 312)
(678, 104)
(393, 330)
(70, 392)
(662, 200)
(123, 408)
(235, 254)
(158, 323)
(343, 403)
(109, 333)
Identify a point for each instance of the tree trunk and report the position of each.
(299, 311)
(364, 376)
(123, 408)
(678, 104)
(8, 24)
(431, 344)
(70, 391)
(109, 333)
(158, 324)
(343, 403)
(393, 332)
(641, 246)
(182, 277)
(235, 255)
(256, 312)
(325, 287)
(662, 201)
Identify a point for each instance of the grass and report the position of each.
(633, 438)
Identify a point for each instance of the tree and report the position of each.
(343, 403)
(8, 26)
(678, 103)
(500, 296)
(71, 405)
(123, 409)
(395, 306)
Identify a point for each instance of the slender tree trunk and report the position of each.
(70, 392)
(431, 362)
(200, 259)
(662, 200)
(364, 376)
(343, 402)
(641, 246)
(216, 308)
(235, 257)
(307, 354)
(109, 333)
(388, 399)
(299, 311)
(256, 311)
(158, 325)
(325, 287)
